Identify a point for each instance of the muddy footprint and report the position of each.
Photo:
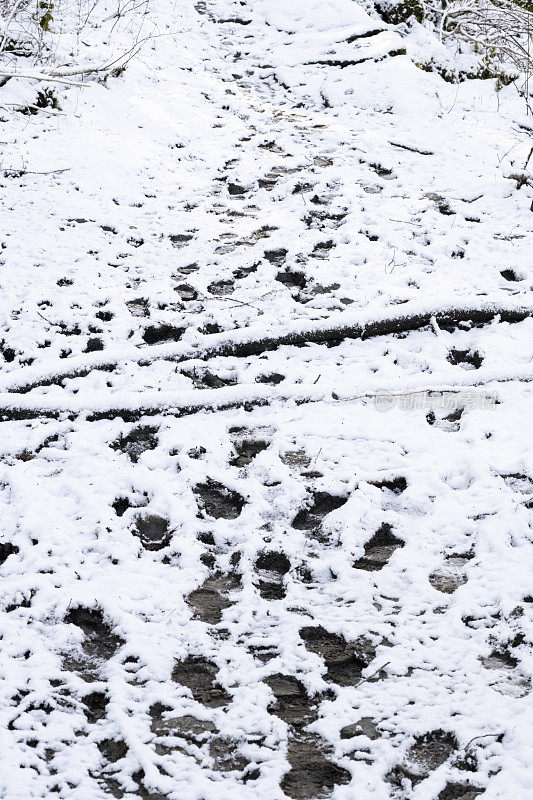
(379, 549)
(137, 441)
(209, 600)
(310, 519)
(153, 531)
(218, 501)
(272, 568)
(99, 645)
(345, 661)
(450, 576)
(292, 704)
(427, 753)
(311, 774)
(199, 675)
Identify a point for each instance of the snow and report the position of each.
(263, 176)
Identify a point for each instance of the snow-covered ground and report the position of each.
(266, 494)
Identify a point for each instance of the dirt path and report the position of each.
(293, 595)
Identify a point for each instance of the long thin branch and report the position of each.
(134, 405)
(63, 75)
(39, 76)
(251, 341)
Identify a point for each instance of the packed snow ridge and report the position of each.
(266, 497)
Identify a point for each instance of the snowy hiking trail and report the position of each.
(221, 576)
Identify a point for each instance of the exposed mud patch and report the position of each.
(262, 233)
(510, 275)
(180, 239)
(379, 549)
(292, 703)
(7, 549)
(263, 653)
(209, 601)
(169, 729)
(450, 576)
(153, 531)
(226, 756)
(380, 170)
(186, 292)
(154, 334)
(121, 505)
(499, 659)
(188, 727)
(142, 792)
(426, 755)
(199, 675)
(311, 774)
(95, 706)
(140, 307)
(113, 749)
(324, 220)
(468, 359)
(450, 422)
(218, 501)
(276, 257)
(205, 379)
(508, 678)
(94, 344)
(396, 485)
(345, 661)
(441, 203)
(221, 288)
(460, 791)
(310, 518)
(295, 458)
(272, 567)
(137, 441)
(246, 450)
(321, 249)
(100, 643)
(292, 280)
(271, 561)
(272, 378)
(235, 190)
(243, 272)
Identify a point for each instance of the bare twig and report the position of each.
(499, 29)
(369, 677)
(41, 76)
(483, 736)
(18, 173)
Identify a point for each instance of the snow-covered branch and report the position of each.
(43, 43)
(499, 28)
(256, 341)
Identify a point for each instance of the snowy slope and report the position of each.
(266, 493)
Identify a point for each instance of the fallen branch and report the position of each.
(412, 149)
(18, 173)
(131, 406)
(63, 76)
(246, 342)
(48, 77)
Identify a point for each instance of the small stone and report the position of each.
(365, 727)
